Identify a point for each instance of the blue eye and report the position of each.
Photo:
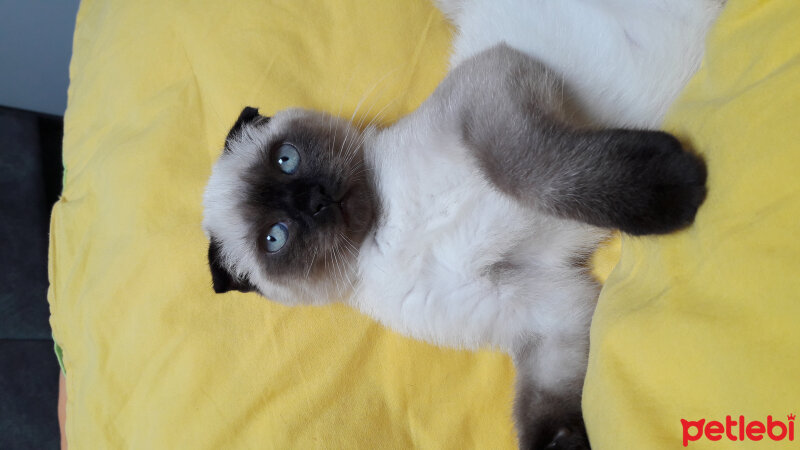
(288, 158)
(277, 237)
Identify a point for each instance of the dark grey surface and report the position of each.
(30, 180)
(35, 48)
(30, 161)
(28, 395)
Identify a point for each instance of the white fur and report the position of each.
(424, 273)
(624, 60)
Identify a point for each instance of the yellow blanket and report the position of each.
(695, 325)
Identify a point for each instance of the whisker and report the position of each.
(347, 241)
(364, 134)
(372, 105)
(341, 105)
(338, 274)
(347, 276)
(308, 271)
(366, 95)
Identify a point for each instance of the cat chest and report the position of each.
(425, 271)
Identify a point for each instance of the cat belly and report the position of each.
(457, 263)
(433, 289)
(450, 291)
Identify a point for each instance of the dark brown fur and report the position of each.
(533, 145)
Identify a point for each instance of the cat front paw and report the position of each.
(663, 188)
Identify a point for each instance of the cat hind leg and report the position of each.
(547, 403)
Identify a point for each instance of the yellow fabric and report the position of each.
(154, 359)
(701, 324)
(704, 323)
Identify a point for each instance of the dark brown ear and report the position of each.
(223, 280)
(248, 115)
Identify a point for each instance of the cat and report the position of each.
(468, 222)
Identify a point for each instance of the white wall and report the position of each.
(35, 47)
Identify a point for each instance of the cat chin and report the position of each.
(307, 295)
(314, 290)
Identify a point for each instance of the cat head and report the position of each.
(287, 207)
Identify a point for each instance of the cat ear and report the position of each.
(248, 115)
(223, 280)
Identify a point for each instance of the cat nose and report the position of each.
(318, 200)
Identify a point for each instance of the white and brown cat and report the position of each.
(465, 223)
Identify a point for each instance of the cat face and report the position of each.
(288, 204)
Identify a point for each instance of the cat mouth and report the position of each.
(336, 211)
(354, 209)
(345, 206)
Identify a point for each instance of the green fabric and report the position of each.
(59, 356)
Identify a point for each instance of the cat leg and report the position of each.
(547, 404)
(510, 112)
(641, 182)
